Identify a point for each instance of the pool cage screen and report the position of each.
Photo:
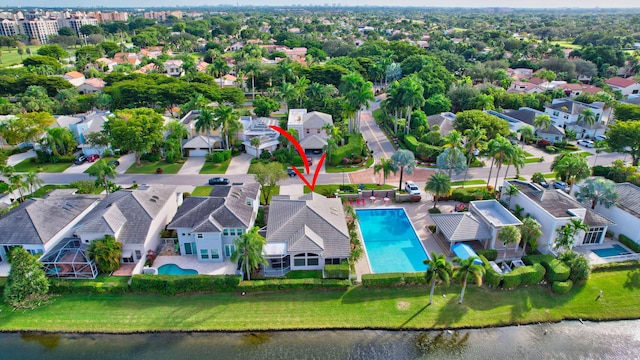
(69, 260)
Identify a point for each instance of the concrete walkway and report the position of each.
(192, 166)
(239, 164)
(18, 158)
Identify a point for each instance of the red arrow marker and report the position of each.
(295, 143)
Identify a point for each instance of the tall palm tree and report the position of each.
(206, 121)
(386, 167)
(526, 133)
(530, 232)
(587, 117)
(515, 156)
(438, 269)
(103, 171)
(359, 98)
(219, 68)
(571, 167)
(228, 120)
(439, 184)
(542, 121)
(284, 69)
(177, 131)
(475, 140)
(412, 96)
(33, 180)
(249, 251)
(598, 191)
(567, 233)
(285, 93)
(251, 68)
(453, 141)
(498, 148)
(16, 182)
(509, 235)
(465, 268)
(301, 86)
(405, 161)
(255, 142)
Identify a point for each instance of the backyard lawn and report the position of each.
(355, 308)
(151, 167)
(27, 165)
(211, 168)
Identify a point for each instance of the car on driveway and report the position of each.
(586, 143)
(114, 163)
(291, 173)
(309, 160)
(80, 160)
(561, 185)
(93, 157)
(600, 137)
(218, 181)
(543, 183)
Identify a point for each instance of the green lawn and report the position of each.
(533, 160)
(204, 190)
(13, 58)
(107, 159)
(335, 169)
(355, 308)
(27, 165)
(528, 154)
(550, 175)
(150, 168)
(469, 182)
(567, 44)
(211, 168)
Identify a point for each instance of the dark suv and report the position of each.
(80, 160)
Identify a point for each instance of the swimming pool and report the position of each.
(173, 269)
(390, 242)
(616, 250)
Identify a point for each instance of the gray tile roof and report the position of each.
(201, 142)
(633, 100)
(572, 107)
(525, 115)
(309, 223)
(461, 226)
(225, 208)
(628, 198)
(131, 211)
(313, 142)
(316, 119)
(37, 221)
(444, 123)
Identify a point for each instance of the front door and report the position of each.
(190, 248)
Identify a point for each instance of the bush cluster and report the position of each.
(556, 270)
(490, 254)
(171, 284)
(562, 287)
(293, 284)
(92, 286)
(151, 157)
(615, 266)
(524, 275)
(393, 279)
(337, 271)
(491, 277)
(625, 240)
(353, 149)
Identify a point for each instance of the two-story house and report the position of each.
(81, 125)
(568, 114)
(208, 225)
(310, 126)
(627, 86)
(173, 68)
(258, 127)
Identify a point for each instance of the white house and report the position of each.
(626, 86)
(208, 225)
(567, 114)
(134, 218)
(92, 85)
(311, 135)
(258, 127)
(173, 67)
(525, 117)
(554, 208)
(305, 233)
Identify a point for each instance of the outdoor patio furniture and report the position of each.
(517, 263)
(495, 267)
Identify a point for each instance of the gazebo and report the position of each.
(69, 260)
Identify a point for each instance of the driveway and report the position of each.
(77, 169)
(18, 158)
(239, 164)
(125, 162)
(192, 166)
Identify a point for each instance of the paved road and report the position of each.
(374, 136)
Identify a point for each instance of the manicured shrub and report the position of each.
(556, 270)
(490, 254)
(615, 266)
(226, 155)
(543, 143)
(411, 142)
(562, 287)
(491, 277)
(293, 284)
(159, 170)
(150, 157)
(215, 157)
(579, 265)
(172, 284)
(600, 170)
(511, 280)
(337, 271)
(383, 280)
(433, 210)
(539, 275)
(110, 285)
(625, 240)
(536, 259)
(529, 275)
(412, 279)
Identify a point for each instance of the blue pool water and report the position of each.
(390, 241)
(173, 269)
(612, 251)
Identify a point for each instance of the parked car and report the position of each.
(114, 163)
(309, 160)
(218, 181)
(411, 188)
(560, 185)
(543, 183)
(600, 137)
(291, 173)
(80, 160)
(93, 157)
(586, 143)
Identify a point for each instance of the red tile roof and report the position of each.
(620, 82)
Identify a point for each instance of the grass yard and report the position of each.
(335, 169)
(107, 159)
(322, 188)
(566, 44)
(275, 191)
(549, 175)
(469, 182)
(355, 308)
(13, 58)
(151, 167)
(533, 160)
(211, 168)
(27, 165)
(203, 190)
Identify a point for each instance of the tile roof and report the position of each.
(309, 223)
(313, 142)
(316, 119)
(567, 106)
(628, 198)
(462, 226)
(130, 211)
(201, 142)
(445, 123)
(36, 221)
(620, 82)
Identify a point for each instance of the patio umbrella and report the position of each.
(386, 197)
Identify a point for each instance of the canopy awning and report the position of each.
(464, 251)
(127, 254)
(275, 249)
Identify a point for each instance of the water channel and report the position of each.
(566, 340)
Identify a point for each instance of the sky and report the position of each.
(425, 3)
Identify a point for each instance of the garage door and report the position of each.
(196, 152)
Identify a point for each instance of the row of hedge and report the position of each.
(616, 266)
(626, 241)
(393, 279)
(171, 284)
(294, 284)
(337, 271)
(490, 254)
(520, 276)
(353, 148)
(113, 285)
(556, 269)
(467, 195)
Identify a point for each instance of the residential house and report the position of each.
(103, 64)
(147, 69)
(553, 208)
(520, 73)
(75, 78)
(444, 121)
(92, 85)
(154, 51)
(39, 224)
(310, 126)
(573, 90)
(526, 116)
(134, 218)
(258, 127)
(481, 223)
(198, 143)
(236, 46)
(208, 225)
(202, 66)
(173, 67)
(633, 100)
(524, 87)
(567, 113)
(81, 125)
(304, 233)
(626, 86)
(122, 58)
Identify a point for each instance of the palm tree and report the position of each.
(571, 167)
(255, 142)
(530, 232)
(511, 190)
(412, 96)
(285, 93)
(56, 139)
(568, 232)
(301, 86)
(405, 161)
(465, 268)
(33, 180)
(206, 121)
(16, 182)
(219, 68)
(598, 191)
(542, 121)
(101, 170)
(498, 148)
(106, 253)
(284, 69)
(177, 131)
(251, 68)
(438, 269)
(386, 167)
(526, 134)
(228, 120)
(509, 235)
(515, 156)
(360, 98)
(453, 141)
(249, 251)
(439, 184)
(587, 117)
(475, 140)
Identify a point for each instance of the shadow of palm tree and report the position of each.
(451, 312)
(633, 280)
(414, 316)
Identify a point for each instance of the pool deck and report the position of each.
(203, 268)
(594, 259)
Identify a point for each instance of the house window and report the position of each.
(183, 234)
(566, 116)
(593, 236)
(308, 130)
(232, 232)
(317, 131)
(190, 248)
(555, 113)
(215, 254)
(199, 236)
(308, 259)
(229, 249)
(138, 254)
(332, 261)
(239, 231)
(225, 232)
(204, 254)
